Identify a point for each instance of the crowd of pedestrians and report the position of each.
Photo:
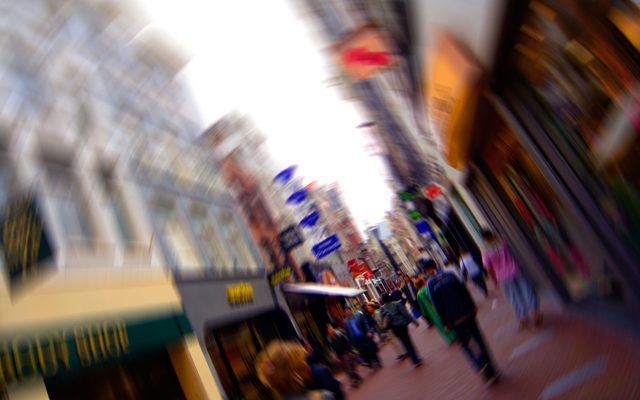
(437, 295)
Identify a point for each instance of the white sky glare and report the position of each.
(258, 57)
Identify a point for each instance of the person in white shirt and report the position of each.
(471, 269)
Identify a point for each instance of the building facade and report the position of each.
(94, 310)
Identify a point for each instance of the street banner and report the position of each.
(327, 246)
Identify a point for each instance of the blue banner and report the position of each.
(310, 220)
(297, 197)
(327, 246)
(285, 175)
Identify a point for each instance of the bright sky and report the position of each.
(258, 57)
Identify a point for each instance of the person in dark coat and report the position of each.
(457, 311)
(361, 335)
(343, 350)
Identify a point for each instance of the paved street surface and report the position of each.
(566, 358)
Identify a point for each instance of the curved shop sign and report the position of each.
(55, 352)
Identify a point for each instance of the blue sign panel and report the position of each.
(326, 247)
(310, 220)
(285, 175)
(423, 227)
(297, 197)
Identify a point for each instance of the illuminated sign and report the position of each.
(279, 276)
(24, 242)
(239, 293)
(364, 53)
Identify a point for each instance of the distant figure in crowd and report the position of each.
(361, 336)
(398, 319)
(456, 309)
(343, 349)
(424, 300)
(410, 293)
(368, 310)
(282, 367)
(389, 336)
(503, 270)
(471, 269)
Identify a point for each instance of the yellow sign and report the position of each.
(280, 276)
(239, 293)
(24, 357)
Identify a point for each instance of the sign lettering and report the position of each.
(240, 293)
(24, 357)
(279, 276)
(24, 241)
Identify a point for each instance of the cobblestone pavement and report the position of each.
(566, 358)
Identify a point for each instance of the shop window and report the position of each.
(174, 231)
(234, 348)
(209, 237)
(69, 203)
(582, 88)
(243, 258)
(115, 207)
(540, 213)
(150, 377)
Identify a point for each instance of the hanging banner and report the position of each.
(26, 246)
(327, 246)
(285, 176)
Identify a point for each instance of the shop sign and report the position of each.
(24, 357)
(279, 276)
(364, 53)
(326, 247)
(24, 241)
(290, 238)
(239, 293)
(432, 191)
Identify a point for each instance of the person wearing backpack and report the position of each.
(397, 318)
(457, 311)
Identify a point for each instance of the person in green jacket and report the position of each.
(426, 307)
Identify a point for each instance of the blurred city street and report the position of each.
(226, 200)
(565, 358)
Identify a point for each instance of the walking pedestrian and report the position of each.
(282, 367)
(457, 311)
(361, 335)
(504, 271)
(424, 300)
(389, 337)
(471, 269)
(343, 350)
(368, 310)
(321, 376)
(398, 319)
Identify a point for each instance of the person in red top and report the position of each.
(503, 270)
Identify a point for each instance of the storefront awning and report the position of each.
(314, 288)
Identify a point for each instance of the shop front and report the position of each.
(234, 319)
(123, 358)
(560, 154)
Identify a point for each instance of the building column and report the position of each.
(192, 369)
